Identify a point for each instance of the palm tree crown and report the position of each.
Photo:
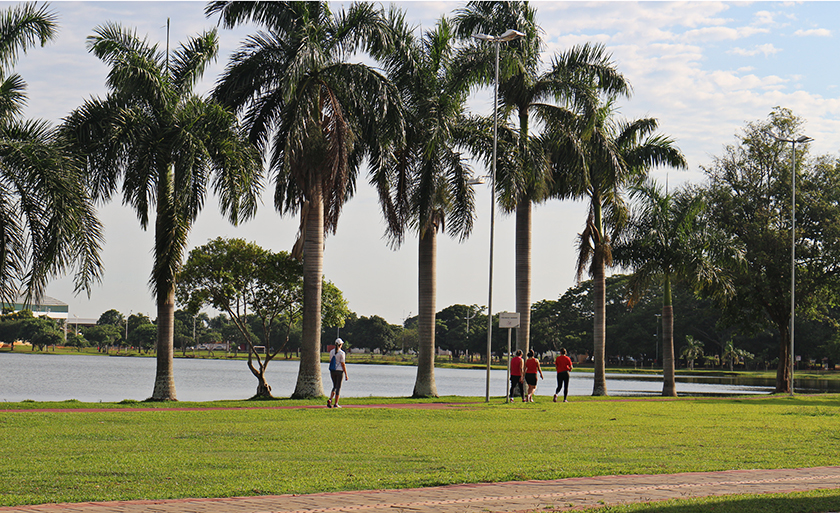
(315, 116)
(597, 157)
(164, 147)
(47, 221)
(424, 182)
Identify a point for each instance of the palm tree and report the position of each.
(313, 113)
(166, 146)
(667, 239)
(573, 79)
(597, 157)
(47, 222)
(692, 350)
(425, 184)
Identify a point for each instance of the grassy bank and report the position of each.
(68, 455)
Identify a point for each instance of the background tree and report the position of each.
(167, 146)
(597, 157)
(313, 114)
(692, 350)
(241, 278)
(48, 222)
(103, 336)
(668, 238)
(573, 80)
(749, 193)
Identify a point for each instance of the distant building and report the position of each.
(49, 306)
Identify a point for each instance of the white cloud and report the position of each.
(813, 32)
(709, 34)
(766, 49)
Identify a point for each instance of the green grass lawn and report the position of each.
(73, 456)
(818, 501)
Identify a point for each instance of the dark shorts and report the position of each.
(336, 376)
(531, 378)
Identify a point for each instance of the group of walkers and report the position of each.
(523, 372)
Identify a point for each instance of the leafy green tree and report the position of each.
(103, 336)
(527, 89)
(168, 147)
(238, 278)
(426, 174)
(48, 221)
(749, 194)
(143, 337)
(314, 114)
(668, 238)
(597, 158)
(112, 317)
(244, 280)
(373, 332)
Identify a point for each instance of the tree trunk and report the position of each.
(783, 381)
(669, 383)
(309, 373)
(167, 259)
(164, 375)
(424, 386)
(523, 274)
(599, 299)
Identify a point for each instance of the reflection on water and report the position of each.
(45, 377)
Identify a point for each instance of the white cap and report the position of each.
(338, 341)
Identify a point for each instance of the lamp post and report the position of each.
(508, 35)
(656, 342)
(801, 140)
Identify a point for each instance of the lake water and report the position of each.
(46, 377)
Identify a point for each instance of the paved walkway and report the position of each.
(559, 494)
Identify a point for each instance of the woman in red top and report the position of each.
(517, 369)
(563, 364)
(532, 367)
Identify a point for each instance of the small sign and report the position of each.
(509, 319)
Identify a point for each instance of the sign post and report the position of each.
(509, 320)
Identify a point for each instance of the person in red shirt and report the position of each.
(517, 371)
(563, 364)
(532, 367)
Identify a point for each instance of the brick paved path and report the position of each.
(487, 497)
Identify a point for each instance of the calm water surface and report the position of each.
(45, 377)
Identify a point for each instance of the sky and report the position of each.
(703, 69)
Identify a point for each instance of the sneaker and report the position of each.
(329, 403)
(555, 398)
(565, 400)
(337, 405)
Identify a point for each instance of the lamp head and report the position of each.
(510, 35)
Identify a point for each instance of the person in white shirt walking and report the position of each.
(338, 369)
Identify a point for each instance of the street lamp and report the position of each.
(801, 140)
(656, 342)
(508, 35)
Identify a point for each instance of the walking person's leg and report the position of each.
(566, 387)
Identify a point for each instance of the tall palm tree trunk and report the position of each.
(669, 384)
(309, 374)
(164, 374)
(166, 228)
(424, 386)
(523, 274)
(599, 297)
